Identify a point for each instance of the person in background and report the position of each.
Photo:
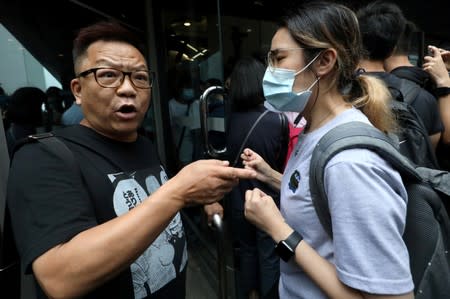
(24, 114)
(72, 116)
(437, 64)
(185, 119)
(398, 64)
(382, 24)
(53, 108)
(312, 63)
(259, 264)
(106, 224)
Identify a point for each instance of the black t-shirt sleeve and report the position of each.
(428, 109)
(47, 201)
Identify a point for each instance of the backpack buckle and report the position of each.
(36, 137)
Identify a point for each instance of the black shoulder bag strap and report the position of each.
(410, 90)
(248, 135)
(348, 136)
(52, 143)
(285, 139)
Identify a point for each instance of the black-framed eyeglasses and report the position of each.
(111, 78)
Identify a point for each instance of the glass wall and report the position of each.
(199, 44)
(19, 67)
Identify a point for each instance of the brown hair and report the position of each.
(320, 25)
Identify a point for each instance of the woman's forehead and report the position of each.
(283, 39)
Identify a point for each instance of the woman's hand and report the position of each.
(261, 210)
(264, 173)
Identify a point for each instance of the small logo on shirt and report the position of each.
(293, 181)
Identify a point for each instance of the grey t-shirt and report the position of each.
(367, 202)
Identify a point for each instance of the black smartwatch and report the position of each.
(441, 91)
(286, 248)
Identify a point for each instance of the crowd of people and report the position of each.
(31, 110)
(109, 225)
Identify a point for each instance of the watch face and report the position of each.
(284, 251)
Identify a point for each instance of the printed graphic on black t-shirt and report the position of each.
(167, 255)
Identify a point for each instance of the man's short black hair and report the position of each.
(381, 24)
(104, 31)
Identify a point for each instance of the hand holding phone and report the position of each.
(436, 63)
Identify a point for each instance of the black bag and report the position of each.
(412, 134)
(427, 230)
(412, 137)
(416, 75)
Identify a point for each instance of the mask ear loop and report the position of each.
(300, 115)
(306, 66)
(317, 80)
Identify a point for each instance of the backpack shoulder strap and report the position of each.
(285, 138)
(52, 143)
(348, 136)
(409, 90)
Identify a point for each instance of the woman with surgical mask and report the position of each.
(312, 71)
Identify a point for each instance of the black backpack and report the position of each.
(427, 230)
(412, 134)
(422, 79)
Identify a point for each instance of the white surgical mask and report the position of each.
(278, 84)
(187, 94)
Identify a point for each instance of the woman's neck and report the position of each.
(327, 107)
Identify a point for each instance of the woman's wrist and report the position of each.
(281, 232)
(441, 92)
(443, 83)
(276, 177)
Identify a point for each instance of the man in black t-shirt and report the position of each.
(103, 221)
(381, 24)
(416, 84)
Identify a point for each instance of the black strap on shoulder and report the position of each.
(55, 145)
(248, 135)
(348, 136)
(409, 90)
(52, 143)
(285, 138)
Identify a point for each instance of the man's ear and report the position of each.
(326, 62)
(75, 86)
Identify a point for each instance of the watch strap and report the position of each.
(293, 240)
(441, 91)
(286, 248)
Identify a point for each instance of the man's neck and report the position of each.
(371, 65)
(396, 61)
